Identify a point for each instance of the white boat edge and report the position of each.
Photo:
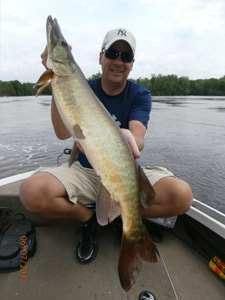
(206, 219)
(203, 213)
(15, 178)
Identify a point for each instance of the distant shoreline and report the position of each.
(159, 85)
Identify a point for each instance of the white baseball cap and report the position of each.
(119, 34)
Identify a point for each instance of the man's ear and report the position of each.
(132, 64)
(100, 57)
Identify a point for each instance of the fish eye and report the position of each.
(63, 43)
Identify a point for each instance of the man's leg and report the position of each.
(173, 197)
(46, 196)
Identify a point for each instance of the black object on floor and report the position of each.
(17, 244)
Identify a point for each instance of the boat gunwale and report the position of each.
(203, 213)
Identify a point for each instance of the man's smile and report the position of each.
(116, 71)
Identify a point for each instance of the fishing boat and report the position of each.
(187, 244)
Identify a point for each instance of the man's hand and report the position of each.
(44, 57)
(132, 142)
(80, 148)
(130, 139)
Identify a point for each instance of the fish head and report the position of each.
(60, 59)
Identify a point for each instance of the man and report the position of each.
(62, 192)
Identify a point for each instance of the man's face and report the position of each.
(116, 71)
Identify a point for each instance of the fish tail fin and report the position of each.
(131, 255)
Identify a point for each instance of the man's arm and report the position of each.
(135, 136)
(138, 130)
(60, 129)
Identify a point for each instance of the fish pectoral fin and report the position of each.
(45, 77)
(147, 193)
(44, 87)
(78, 133)
(43, 80)
(73, 155)
(106, 208)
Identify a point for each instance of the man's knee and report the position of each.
(31, 194)
(182, 197)
(174, 194)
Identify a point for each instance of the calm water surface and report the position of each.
(185, 134)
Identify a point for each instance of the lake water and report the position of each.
(185, 134)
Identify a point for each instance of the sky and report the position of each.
(180, 37)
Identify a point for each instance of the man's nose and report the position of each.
(119, 59)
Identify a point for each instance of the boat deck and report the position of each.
(54, 273)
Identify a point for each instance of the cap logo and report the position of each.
(122, 32)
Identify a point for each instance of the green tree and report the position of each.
(184, 86)
(28, 89)
(18, 88)
(96, 75)
(222, 85)
(7, 89)
(159, 85)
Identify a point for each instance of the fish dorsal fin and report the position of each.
(106, 208)
(147, 193)
(78, 133)
(73, 155)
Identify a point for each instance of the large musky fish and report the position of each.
(124, 186)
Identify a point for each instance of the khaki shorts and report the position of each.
(82, 184)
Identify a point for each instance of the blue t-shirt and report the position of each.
(134, 103)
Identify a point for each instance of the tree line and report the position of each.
(159, 85)
(15, 88)
(172, 85)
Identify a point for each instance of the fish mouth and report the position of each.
(58, 49)
(54, 34)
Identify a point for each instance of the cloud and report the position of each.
(185, 38)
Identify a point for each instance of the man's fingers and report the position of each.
(44, 56)
(80, 147)
(131, 141)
